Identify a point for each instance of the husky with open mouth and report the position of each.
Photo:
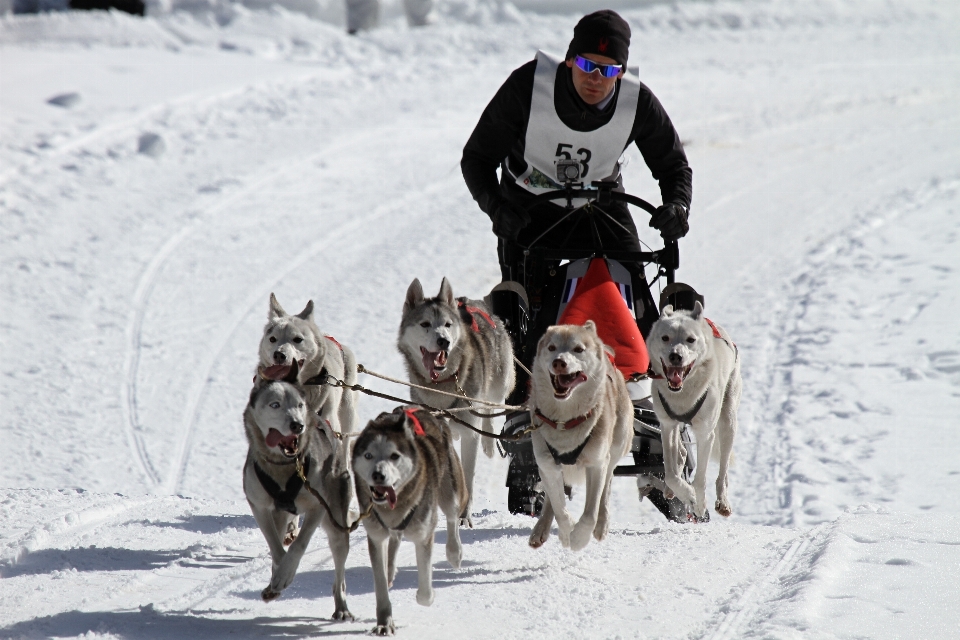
(580, 403)
(457, 346)
(696, 368)
(405, 467)
(281, 432)
(289, 339)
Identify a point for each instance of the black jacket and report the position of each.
(501, 132)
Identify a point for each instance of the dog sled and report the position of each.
(545, 292)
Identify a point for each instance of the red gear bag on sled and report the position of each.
(597, 297)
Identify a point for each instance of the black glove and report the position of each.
(671, 221)
(508, 221)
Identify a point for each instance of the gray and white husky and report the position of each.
(405, 467)
(581, 404)
(697, 382)
(281, 429)
(457, 346)
(296, 338)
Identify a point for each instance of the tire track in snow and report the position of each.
(785, 343)
(745, 607)
(256, 298)
(70, 522)
(141, 297)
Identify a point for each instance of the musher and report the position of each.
(585, 108)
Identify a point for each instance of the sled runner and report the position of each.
(569, 286)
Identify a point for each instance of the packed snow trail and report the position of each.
(824, 140)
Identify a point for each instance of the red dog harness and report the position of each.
(474, 312)
(417, 427)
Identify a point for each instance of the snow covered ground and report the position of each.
(201, 158)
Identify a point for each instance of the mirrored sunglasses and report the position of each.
(606, 70)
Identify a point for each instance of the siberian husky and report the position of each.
(296, 338)
(457, 346)
(697, 382)
(281, 429)
(405, 467)
(580, 402)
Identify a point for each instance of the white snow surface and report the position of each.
(216, 152)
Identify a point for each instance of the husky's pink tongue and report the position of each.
(432, 360)
(275, 438)
(675, 376)
(387, 492)
(275, 372)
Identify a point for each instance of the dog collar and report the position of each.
(560, 425)
(452, 376)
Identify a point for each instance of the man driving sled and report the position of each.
(584, 108)
(587, 109)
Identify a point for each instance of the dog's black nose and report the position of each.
(559, 365)
(296, 427)
(443, 343)
(279, 356)
(377, 477)
(675, 359)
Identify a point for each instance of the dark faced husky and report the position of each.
(698, 383)
(580, 402)
(281, 430)
(289, 339)
(457, 346)
(405, 467)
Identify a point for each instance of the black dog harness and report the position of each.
(570, 457)
(283, 499)
(683, 417)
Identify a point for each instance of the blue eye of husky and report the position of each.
(274, 405)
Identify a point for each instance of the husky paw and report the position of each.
(425, 597)
(603, 526)
(723, 508)
(386, 629)
(343, 615)
(293, 530)
(454, 555)
(564, 537)
(580, 535)
(541, 532)
(487, 446)
(466, 523)
(269, 594)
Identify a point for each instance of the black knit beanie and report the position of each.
(604, 33)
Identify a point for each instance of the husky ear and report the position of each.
(307, 313)
(414, 295)
(590, 326)
(446, 294)
(293, 377)
(697, 310)
(276, 311)
(667, 311)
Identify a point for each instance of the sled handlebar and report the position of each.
(667, 258)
